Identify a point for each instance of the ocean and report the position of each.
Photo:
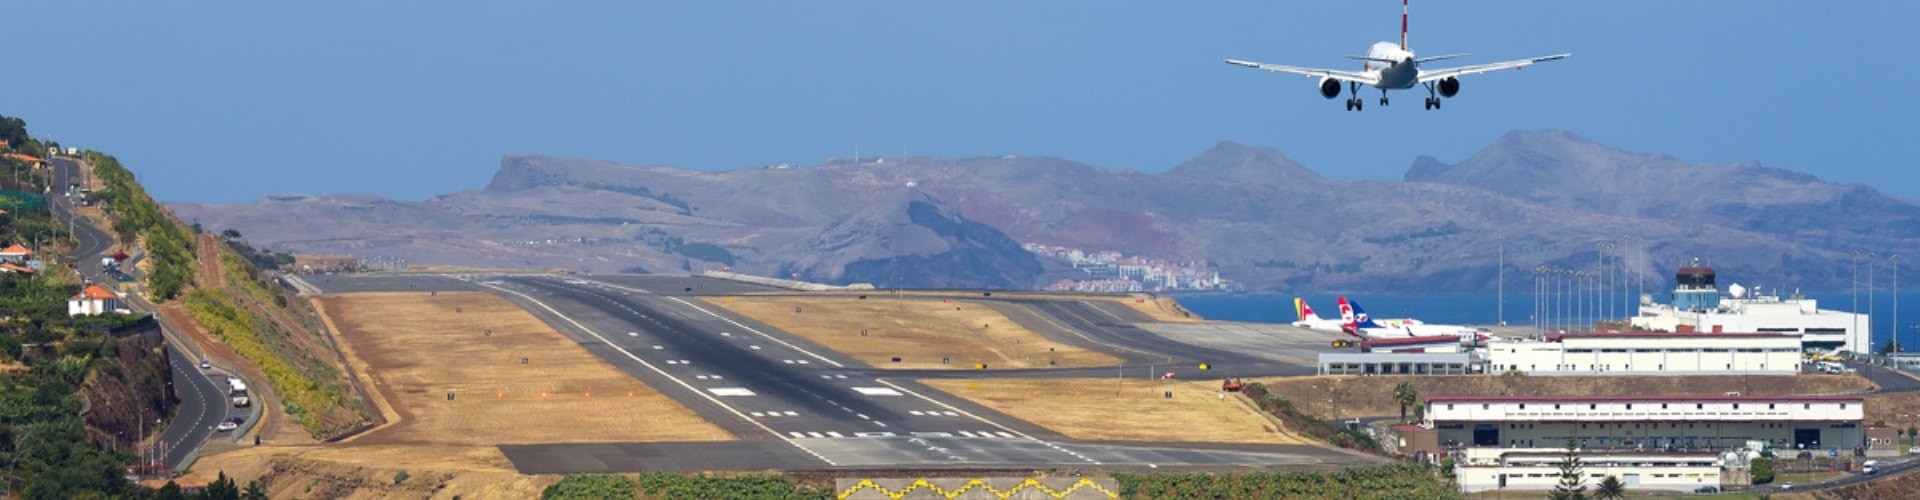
(1484, 309)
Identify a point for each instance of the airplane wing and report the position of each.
(1445, 73)
(1345, 76)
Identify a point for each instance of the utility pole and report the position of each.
(1854, 265)
(1871, 256)
(1896, 302)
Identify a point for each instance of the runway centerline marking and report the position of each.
(663, 373)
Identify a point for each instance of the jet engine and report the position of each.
(1330, 88)
(1449, 86)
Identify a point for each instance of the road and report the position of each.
(203, 395)
(794, 404)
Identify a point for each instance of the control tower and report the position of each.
(1696, 290)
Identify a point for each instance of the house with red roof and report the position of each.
(95, 300)
(15, 253)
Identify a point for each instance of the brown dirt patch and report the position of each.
(920, 332)
(1358, 396)
(1897, 410)
(336, 471)
(417, 348)
(1129, 410)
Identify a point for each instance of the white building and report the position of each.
(1539, 470)
(1640, 353)
(1698, 307)
(1506, 440)
(94, 300)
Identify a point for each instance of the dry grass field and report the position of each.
(369, 471)
(1898, 410)
(417, 348)
(1357, 396)
(1090, 409)
(919, 331)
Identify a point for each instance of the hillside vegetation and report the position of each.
(58, 437)
(231, 299)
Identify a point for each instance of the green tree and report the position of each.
(1406, 396)
(1762, 469)
(1610, 489)
(1447, 472)
(1912, 433)
(222, 488)
(255, 491)
(1572, 477)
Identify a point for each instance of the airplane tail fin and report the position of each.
(1346, 311)
(1360, 316)
(1403, 24)
(1304, 311)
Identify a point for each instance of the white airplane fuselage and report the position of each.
(1394, 76)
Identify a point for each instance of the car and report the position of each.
(1787, 486)
(226, 426)
(1707, 489)
(206, 365)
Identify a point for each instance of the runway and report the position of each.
(798, 406)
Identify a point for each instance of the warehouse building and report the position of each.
(1663, 442)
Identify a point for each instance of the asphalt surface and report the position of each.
(203, 399)
(798, 406)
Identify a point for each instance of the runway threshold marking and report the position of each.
(983, 420)
(663, 373)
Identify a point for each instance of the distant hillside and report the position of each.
(1255, 215)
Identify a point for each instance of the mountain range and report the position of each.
(1530, 199)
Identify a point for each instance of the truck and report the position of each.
(238, 387)
(242, 401)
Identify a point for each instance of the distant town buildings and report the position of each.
(1111, 271)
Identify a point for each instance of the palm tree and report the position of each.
(1406, 396)
(1610, 489)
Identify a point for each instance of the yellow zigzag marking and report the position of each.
(976, 483)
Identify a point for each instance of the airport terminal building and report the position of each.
(1643, 353)
(1503, 438)
(1698, 307)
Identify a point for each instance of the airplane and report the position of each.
(1360, 325)
(1394, 67)
(1312, 321)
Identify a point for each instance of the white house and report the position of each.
(95, 299)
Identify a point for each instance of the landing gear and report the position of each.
(1355, 104)
(1353, 101)
(1433, 100)
(1383, 97)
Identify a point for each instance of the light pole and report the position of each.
(1871, 256)
(1896, 301)
(1501, 317)
(1625, 305)
(1600, 291)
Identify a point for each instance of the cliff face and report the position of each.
(1256, 216)
(131, 393)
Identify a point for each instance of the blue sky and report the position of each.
(229, 101)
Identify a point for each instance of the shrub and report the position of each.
(585, 486)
